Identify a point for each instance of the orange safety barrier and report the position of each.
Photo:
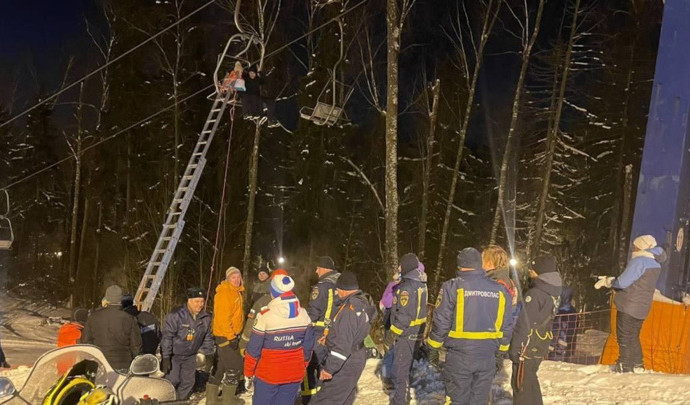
(665, 339)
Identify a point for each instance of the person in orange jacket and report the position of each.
(69, 335)
(228, 322)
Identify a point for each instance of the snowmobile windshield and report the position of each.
(51, 366)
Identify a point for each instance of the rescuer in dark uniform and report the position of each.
(346, 354)
(532, 333)
(471, 320)
(408, 319)
(323, 302)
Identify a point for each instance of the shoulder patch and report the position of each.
(404, 298)
(528, 298)
(315, 293)
(439, 297)
(264, 311)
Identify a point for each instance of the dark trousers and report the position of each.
(628, 335)
(311, 378)
(468, 380)
(342, 388)
(274, 394)
(182, 375)
(251, 105)
(230, 365)
(403, 354)
(529, 393)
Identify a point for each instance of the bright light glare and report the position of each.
(281, 260)
(513, 262)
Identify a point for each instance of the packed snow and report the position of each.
(30, 330)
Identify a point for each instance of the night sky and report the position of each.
(38, 36)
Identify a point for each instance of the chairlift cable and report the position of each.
(129, 51)
(142, 121)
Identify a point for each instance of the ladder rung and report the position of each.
(194, 166)
(167, 238)
(151, 276)
(197, 154)
(160, 250)
(170, 226)
(202, 143)
(176, 213)
(215, 110)
(212, 120)
(182, 188)
(188, 177)
(206, 131)
(156, 263)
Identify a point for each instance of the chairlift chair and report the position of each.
(327, 112)
(6, 232)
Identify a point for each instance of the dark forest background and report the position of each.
(574, 140)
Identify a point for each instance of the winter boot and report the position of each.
(212, 394)
(228, 395)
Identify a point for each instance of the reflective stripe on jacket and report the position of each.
(323, 300)
(472, 315)
(409, 309)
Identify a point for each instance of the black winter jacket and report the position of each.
(252, 86)
(534, 324)
(185, 336)
(116, 333)
(350, 326)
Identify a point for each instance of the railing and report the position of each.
(579, 337)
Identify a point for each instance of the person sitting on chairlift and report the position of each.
(233, 80)
(251, 99)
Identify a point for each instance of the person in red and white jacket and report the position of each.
(280, 346)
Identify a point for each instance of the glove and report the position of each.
(434, 357)
(604, 281)
(389, 340)
(248, 383)
(166, 365)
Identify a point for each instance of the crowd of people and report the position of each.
(291, 354)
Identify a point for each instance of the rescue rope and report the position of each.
(222, 198)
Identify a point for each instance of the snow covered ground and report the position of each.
(27, 333)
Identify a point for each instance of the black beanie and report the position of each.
(195, 292)
(544, 264)
(347, 281)
(326, 262)
(409, 263)
(469, 258)
(80, 315)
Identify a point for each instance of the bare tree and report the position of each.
(527, 39)
(427, 164)
(260, 32)
(395, 20)
(552, 138)
(491, 9)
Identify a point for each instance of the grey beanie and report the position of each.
(113, 295)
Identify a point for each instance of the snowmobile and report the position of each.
(89, 379)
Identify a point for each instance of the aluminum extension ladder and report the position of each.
(174, 222)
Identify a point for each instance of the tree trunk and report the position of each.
(426, 169)
(253, 177)
(82, 242)
(393, 35)
(553, 138)
(75, 202)
(508, 152)
(97, 253)
(489, 19)
(625, 219)
(616, 234)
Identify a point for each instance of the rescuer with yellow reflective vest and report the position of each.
(472, 320)
(323, 303)
(408, 319)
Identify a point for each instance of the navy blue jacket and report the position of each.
(350, 326)
(408, 313)
(185, 336)
(472, 316)
(323, 301)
